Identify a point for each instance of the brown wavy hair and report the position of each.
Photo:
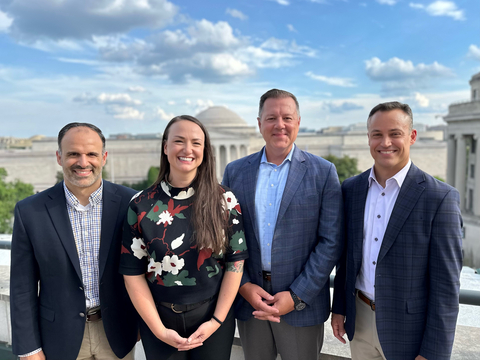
(209, 220)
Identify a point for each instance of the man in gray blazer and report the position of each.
(397, 286)
(292, 209)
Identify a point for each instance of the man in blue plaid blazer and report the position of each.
(397, 285)
(292, 211)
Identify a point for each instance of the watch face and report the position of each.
(300, 306)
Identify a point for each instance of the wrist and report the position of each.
(298, 304)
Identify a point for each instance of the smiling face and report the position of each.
(279, 124)
(390, 138)
(81, 159)
(184, 148)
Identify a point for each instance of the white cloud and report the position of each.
(339, 107)
(107, 99)
(343, 82)
(138, 89)
(387, 2)
(201, 105)
(474, 52)
(401, 77)
(205, 51)
(421, 100)
(398, 69)
(236, 14)
(125, 112)
(291, 28)
(164, 115)
(282, 2)
(79, 61)
(171, 102)
(54, 19)
(441, 8)
(5, 22)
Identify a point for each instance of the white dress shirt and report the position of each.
(378, 208)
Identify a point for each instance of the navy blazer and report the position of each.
(47, 299)
(418, 267)
(307, 241)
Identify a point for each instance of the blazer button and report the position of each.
(259, 273)
(82, 314)
(81, 288)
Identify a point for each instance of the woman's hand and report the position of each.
(172, 338)
(203, 332)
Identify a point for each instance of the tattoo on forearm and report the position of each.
(236, 266)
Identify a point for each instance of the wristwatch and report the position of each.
(298, 304)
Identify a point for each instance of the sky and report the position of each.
(129, 66)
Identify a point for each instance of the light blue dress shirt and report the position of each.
(271, 182)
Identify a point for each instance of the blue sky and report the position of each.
(131, 65)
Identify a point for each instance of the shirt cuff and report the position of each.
(31, 353)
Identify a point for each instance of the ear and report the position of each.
(59, 158)
(413, 136)
(259, 123)
(104, 158)
(165, 148)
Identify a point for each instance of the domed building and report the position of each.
(229, 133)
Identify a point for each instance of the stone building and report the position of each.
(130, 156)
(463, 169)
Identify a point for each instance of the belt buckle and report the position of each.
(173, 309)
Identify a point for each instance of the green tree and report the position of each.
(10, 194)
(151, 178)
(346, 166)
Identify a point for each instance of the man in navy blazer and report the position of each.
(397, 286)
(292, 211)
(67, 298)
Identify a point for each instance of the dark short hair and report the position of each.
(392, 105)
(67, 127)
(276, 94)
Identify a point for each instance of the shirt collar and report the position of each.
(398, 177)
(264, 160)
(94, 198)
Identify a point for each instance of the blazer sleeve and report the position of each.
(24, 277)
(445, 264)
(329, 241)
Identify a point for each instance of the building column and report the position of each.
(476, 190)
(451, 149)
(217, 159)
(461, 169)
(229, 156)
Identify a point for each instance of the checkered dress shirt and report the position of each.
(86, 224)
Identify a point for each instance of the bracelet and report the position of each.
(216, 319)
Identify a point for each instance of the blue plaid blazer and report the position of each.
(307, 241)
(418, 267)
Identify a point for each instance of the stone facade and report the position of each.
(463, 169)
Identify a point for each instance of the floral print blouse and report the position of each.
(157, 242)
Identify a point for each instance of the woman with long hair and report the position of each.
(183, 251)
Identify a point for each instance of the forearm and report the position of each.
(229, 288)
(142, 299)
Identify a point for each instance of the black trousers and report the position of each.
(216, 347)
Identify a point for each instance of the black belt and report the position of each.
(181, 308)
(267, 275)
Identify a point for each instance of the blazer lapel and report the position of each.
(249, 185)
(357, 215)
(294, 179)
(406, 201)
(111, 207)
(57, 209)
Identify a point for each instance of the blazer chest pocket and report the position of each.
(415, 306)
(47, 314)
